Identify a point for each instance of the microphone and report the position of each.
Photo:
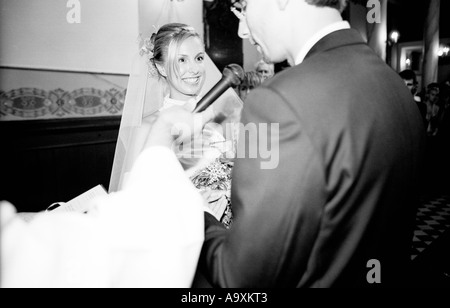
(233, 75)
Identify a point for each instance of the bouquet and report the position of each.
(217, 176)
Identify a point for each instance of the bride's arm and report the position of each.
(173, 124)
(136, 146)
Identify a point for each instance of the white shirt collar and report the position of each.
(340, 25)
(189, 104)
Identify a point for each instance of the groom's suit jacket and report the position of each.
(339, 207)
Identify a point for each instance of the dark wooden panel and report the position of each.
(47, 161)
(223, 44)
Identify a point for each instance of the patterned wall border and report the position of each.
(32, 103)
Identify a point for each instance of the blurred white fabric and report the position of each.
(143, 236)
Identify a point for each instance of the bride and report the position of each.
(173, 69)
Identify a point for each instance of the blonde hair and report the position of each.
(252, 79)
(166, 43)
(262, 62)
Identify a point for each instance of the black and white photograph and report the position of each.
(202, 146)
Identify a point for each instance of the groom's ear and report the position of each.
(161, 69)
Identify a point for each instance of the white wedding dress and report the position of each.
(210, 169)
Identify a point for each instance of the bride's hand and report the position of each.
(175, 124)
(222, 109)
(215, 201)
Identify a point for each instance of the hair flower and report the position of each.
(147, 46)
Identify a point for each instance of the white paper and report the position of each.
(81, 202)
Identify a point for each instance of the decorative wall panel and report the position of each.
(33, 103)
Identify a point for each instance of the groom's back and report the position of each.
(366, 134)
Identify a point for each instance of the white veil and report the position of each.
(145, 95)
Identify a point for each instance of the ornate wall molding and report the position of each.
(33, 104)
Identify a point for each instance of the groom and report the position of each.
(339, 208)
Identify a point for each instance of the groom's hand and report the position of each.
(176, 125)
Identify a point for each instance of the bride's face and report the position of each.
(188, 81)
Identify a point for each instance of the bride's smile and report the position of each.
(192, 80)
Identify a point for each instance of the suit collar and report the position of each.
(336, 39)
(318, 36)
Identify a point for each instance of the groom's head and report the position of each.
(280, 28)
(337, 4)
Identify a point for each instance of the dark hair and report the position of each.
(337, 4)
(172, 34)
(432, 86)
(408, 75)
